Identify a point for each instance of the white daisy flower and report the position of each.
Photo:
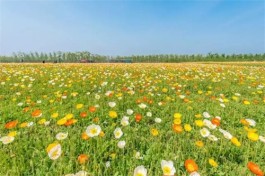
(262, 138)
(112, 104)
(7, 139)
(149, 114)
(205, 132)
(118, 133)
(168, 167)
(142, 106)
(93, 130)
(212, 138)
(125, 121)
(121, 144)
(140, 171)
(61, 136)
(54, 151)
(129, 111)
(158, 120)
(206, 115)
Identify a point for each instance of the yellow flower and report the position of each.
(198, 115)
(199, 143)
(168, 98)
(235, 141)
(177, 121)
(54, 115)
(119, 95)
(199, 123)
(235, 98)
(101, 134)
(200, 91)
(23, 125)
(69, 116)
(246, 102)
(51, 101)
(209, 92)
(250, 129)
(113, 156)
(74, 94)
(113, 114)
(79, 106)
(177, 115)
(12, 134)
(187, 127)
(164, 90)
(42, 121)
(62, 121)
(154, 132)
(226, 100)
(253, 136)
(212, 162)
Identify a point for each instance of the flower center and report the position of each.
(93, 131)
(166, 170)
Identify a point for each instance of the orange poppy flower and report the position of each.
(96, 119)
(124, 88)
(213, 97)
(215, 121)
(70, 122)
(177, 128)
(83, 114)
(26, 109)
(36, 113)
(84, 136)
(244, 122)
(191, 166)
(186, 100)
(255, 169)
(11, 124)
(82, 159)
(138, 101)
(145, 99)
(92, 109)
(138, 117)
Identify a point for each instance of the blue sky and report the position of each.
(133, 27)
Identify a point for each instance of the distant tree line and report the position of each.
(73, 57)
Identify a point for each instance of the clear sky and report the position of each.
(133, 27)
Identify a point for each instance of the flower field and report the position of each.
(132, 119)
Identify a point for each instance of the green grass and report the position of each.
(27, 155)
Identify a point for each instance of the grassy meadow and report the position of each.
(132, 119)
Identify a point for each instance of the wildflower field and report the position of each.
(132, 119)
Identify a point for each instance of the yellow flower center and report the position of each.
(139, 174)
(166, 170)
(190, 167)
(93, 131)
